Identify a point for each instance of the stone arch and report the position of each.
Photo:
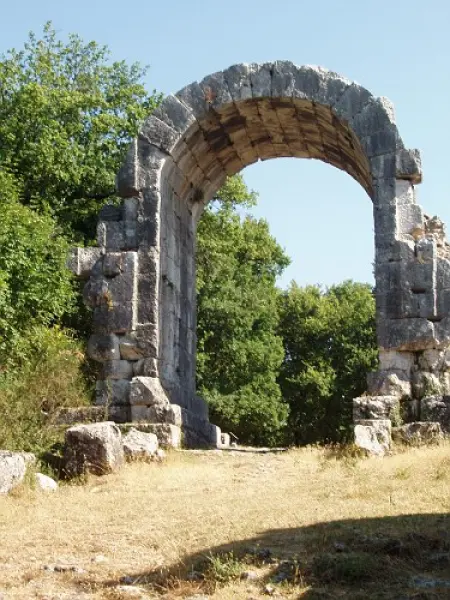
(142, 285)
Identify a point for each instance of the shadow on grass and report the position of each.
(399, 558)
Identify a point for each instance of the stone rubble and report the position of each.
(95, 448)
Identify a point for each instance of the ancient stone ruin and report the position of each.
(141, 278)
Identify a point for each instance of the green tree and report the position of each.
(329, 345)
(67, 115)
(35, 286)
(239, 353)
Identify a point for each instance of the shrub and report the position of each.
(43, 373)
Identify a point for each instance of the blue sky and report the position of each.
(395, 48)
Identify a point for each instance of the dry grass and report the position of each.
(348, 528)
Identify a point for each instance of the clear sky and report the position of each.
(395, 48)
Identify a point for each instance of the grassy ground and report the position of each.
(297, 525)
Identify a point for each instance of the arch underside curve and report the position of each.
(181, 157)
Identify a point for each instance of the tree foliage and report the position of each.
(239, 353)
(67, 115)
(35, 286)
(329, 346)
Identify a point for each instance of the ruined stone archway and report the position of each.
(142, 285)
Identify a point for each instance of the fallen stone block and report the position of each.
(373, 436)
(96, 448)
(13, 467)
(138, 445)
(418, 433)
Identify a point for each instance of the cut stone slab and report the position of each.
(138, 445)
(13, 467)
(96, 448)
(417, 433)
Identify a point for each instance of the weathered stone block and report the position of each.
(112, 392)
(408, 334)
(141, 343)
(116, 318)
(193, 96)
(95, 448)
(131, 208)
(427, 305)
(408, 165)
(283, 79)
(436, 409)
(443, 274)
(409, 219)
(389, 383)
(103, 347)
(82, 260)
(410, 410)
(261, 80)
(388, 277)
(111, 236)
(147, 391)
(383, 166)
(216, 90)
(169, 436)
(352, 102)
(442, 332)
(176, 114)
(122, 287)
(384, 192)
(418, 433)
(159, 134)
(373, 435)
(404, 192)
(146, 367)
(385, 219)
(376, 407)
(225, 440)
(13, 467)
(119, 414)
(117, 369)
(425, 250)
(238, 81)
(138, 445)
(432, 360)
(79, 414)
(425, 384)
(398, 303)
(396, 361)
(113, 263)
(96, 292)
(380, 142)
